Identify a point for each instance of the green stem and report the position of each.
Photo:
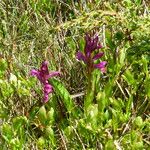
(89, 93)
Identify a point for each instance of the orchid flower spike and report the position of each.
(88, 56)
(43, 75)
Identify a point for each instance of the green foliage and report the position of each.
(14, 134)
(65, 96)
(118, 102)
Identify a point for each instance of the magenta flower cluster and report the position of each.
(89, 57)
(43, 75)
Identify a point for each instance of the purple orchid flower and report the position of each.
(43, 75)
(92, 44)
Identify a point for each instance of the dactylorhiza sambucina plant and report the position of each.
(43, 75)
(90, 56)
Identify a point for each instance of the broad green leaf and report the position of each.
(65, 96)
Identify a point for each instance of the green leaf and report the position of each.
(41, 143)
(33, 112)
(50, 134)
(147, 87)
(102, 101)
(144, 61)
(3, 64)
(119, 35)
(13, 79)
(128, 76)
(110, 41)
(138, 122)
(50, 116)
(65, 96)
(110, 145)
(122, 56)
(92, 115)
(68, 131)
(7, 132)
(16, 144)
(117, 103)
(129, 105)
(128, 3)
(18, 122)
(42, 115)
(138, 2)
(82, 44)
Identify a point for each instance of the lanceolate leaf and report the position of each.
(65, 96)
